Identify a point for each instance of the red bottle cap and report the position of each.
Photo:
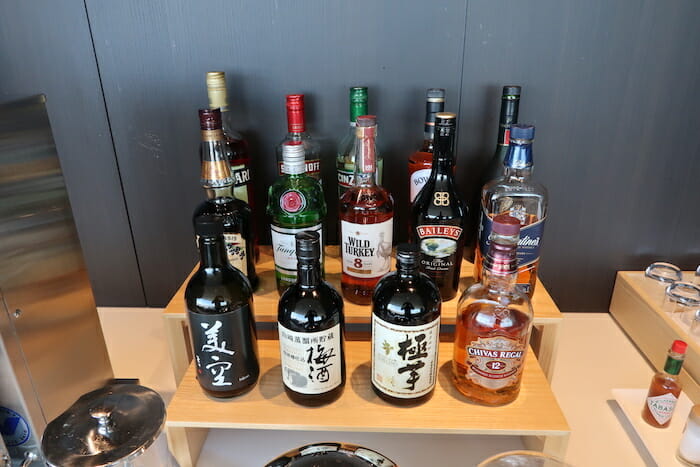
(679, 347)
(503, 224)
(295, 113)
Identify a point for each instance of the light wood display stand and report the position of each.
(636, 306)
(535, 415)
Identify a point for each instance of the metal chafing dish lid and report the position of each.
(331, 454)
(104, 427)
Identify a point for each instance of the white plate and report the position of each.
(660, 442)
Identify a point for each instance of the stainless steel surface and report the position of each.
(105, 427)
(51, 344)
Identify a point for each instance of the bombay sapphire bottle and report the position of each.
(219, 303)
(311, 326)
(405, 332)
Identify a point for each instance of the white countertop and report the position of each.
(594, 357)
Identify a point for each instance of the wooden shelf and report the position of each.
(636, 306)
(546, 321)
(534, 414)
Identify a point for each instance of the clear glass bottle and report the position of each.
(517, 195)
(421, 161)
(219, 303)
(217, 182)
(439, 215)
(311, 326)
(665, 388)
(345, 160)
(295, 203)
(366, 215)
(296, 131)
(494, 321)
(405, 332)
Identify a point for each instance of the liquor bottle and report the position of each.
(311, 326)
(217, 182)
(296, 131)
(345, 161)
(421, 161)
(494, 320)
(366, 221)
(295, 203)
(510, 104)
(219, 303)
(405, 332)
(236, 147)
(517, 195)
(438, 214)
(665, 388)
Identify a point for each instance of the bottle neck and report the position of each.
(226, 125)
(500, 269)
(296, 124)
(216, 171)
(357, 109)
(407, 272)
(309, 274)
(518, 162)
(365, 156)
(220, 193)
(443, 156)
(212, 252)
(674, 362)
(432, 107)
(509, 116)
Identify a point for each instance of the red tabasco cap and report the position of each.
(503, 224)
(679, 347)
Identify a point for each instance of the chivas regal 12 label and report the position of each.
(495, 362)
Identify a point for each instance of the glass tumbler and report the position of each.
(662, 275)
(683, 298)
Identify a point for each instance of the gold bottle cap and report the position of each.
(216, 88)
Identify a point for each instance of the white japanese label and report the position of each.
(662, 407)
(284, 247)
(311, 361)
(235, 250)
(418, 179)
(366, 248)
(404, 358)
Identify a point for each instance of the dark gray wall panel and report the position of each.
(45, 47)
(611, 87)
(153, 57)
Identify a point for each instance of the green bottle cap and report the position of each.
(358, 102)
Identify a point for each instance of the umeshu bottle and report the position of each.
(310, 323)
(219, 303)
(405, 332)
(421, 161)
(366, 221)
(665, 388)
(494, 320)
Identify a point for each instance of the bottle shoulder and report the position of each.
(230, 209)
(218, 290)
(398, 300)
(313, 202)
(310, 310)
(490, 299)
(367, 197)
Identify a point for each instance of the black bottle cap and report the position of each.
(308, 245)
(446, 119)
(407, 255)
(207, 225)
(511, 91)
(435, 95)
(522, 132)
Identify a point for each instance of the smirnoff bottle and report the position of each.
(295, 204)
(517, 195)
(405, 332)
(494, 320)
(366, 221)
(296, 131)
(439, 215)
(217, 182)
(420, 162)
(236, 147)
(345, 161)
(311, 326)
(219, 303)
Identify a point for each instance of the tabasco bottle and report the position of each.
(366, 221)
(665, 389)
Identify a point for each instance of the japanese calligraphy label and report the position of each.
(236, 252)
(404, 358)
(366, 248)
(311, 361)
(661, 407)
(222, 360)
(284, 250)
(495, 362)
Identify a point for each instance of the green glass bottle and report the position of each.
(346, 153)
(295, 204)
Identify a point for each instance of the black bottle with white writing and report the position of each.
(405, 332)
(311, 326)
(219, 302)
